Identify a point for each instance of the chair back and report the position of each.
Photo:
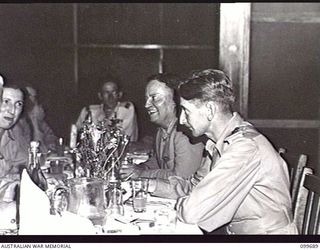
(295, 172)
(311, 219)
(296, 176)
(300, 201)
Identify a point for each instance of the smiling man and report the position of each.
(175, 154)
(13, 153)
(13, 144)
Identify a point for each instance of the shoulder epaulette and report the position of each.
(247, 131)
(127, 105)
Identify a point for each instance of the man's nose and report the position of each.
(147, 103)
(11, 108)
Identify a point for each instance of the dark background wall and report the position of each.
(36, 46)
(284, 76)
(63, 49)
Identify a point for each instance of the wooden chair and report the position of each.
(296, 177)
(311, 219)
(298, 192)
(300, 201)
(295, 173)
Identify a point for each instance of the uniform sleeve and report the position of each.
(176, 186)
(188, 156)
(81, 118)
(187, 160)
(130, 125)
(220, 193)
(8, 188)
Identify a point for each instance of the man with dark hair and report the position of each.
(175, 155)
(247, 184)
(111, 110)
(13, 153)
(14, 144)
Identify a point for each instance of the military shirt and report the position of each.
(124, 112)
(247, 186)
(13, 158)
(175, 155)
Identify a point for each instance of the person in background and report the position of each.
(175, 154)
(121, 114)
(33, 122)
(247, 186)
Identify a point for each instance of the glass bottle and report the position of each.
(88, 119)
(34, 166)
(114, 193)
(60, 149)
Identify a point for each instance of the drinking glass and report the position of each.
(139, 194)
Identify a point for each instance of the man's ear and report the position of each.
(99, 96)
(211, 108)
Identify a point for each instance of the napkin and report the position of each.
(35, 217)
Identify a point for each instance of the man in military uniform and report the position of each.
(14, 144)
(248, 182)
(175, 153)
(13, 153)
(112, 111)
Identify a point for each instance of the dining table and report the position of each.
(159, 217)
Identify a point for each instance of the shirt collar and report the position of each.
(166, 132)
(7, 136)
(233, 123)
(116, 108)
(210, 145)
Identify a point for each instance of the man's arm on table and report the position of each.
(175, 186)
(187, 160)
(216, 198)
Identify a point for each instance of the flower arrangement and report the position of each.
(97, 145)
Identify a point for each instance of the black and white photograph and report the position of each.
(159, 122)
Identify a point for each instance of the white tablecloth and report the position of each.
(146, 223)
(35, 217)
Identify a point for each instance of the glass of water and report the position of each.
(139, 194)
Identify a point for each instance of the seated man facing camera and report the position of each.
(13, 153)
(14, 146)
(174, 153)
(114, 112)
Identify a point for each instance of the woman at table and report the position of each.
(175, 154)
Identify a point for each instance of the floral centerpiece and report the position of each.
(97, 145)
